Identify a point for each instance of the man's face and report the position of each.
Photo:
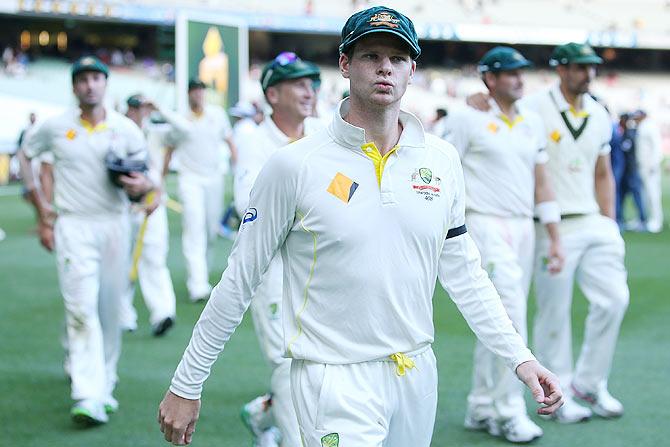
(293, 97)
(379, 70)
(196, 98)
(576, 78)
(89, 88)
(507, 85)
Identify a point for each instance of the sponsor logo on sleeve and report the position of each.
(250, 215)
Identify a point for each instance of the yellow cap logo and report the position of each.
(384, 18)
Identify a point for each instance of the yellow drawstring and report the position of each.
(402, 362)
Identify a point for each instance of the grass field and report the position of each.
(34, 392)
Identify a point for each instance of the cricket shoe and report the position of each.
(570, 412)
(256, 415)
(111, 405)
(602, 402)
(159, 329)
(88, 413)
(269, 438)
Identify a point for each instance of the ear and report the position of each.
(412, 70)
(344, 65)
(272, 95)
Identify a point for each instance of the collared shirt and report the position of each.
(199, 140)
(363, 239)
(81, 182)
(499, 158)
(574, 143)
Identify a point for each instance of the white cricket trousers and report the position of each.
(266, 312)
(651, 181)
(202, 200)
(92, 257)
(153, 274)
(594, 257)
(366, 404)
(507, 250)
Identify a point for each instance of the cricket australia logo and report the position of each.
(425, 184)
(384, 19)
(330, 440)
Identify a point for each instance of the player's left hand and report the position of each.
(543, 384)
(556, 258)
(135, 184)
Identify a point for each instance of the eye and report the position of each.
(398, 59)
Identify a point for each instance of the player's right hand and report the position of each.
(46, 234)
(478, 101)
(177, 417)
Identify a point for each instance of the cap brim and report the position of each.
(415, 52)
(597, 60)
(483, 68)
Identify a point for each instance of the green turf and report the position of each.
(34, 405)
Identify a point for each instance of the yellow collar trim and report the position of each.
(580, 114)
(370, 149)
(101, 126)
(505, 119)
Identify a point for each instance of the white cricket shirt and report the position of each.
(362, 242)
(81, 182)
(199, 141)
(574, 143)
(498, 157)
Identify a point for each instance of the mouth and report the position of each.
(383, 84)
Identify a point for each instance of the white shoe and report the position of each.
(602, 402)
(571, 412)
(89, 412)
(519, 429)
(269, 438)
(475, 423)
(111, 405)
(256, 415)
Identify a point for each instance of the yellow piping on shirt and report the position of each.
(306, 291)
(505, 119)
(370, 149)
(580, 114)
(90, 128)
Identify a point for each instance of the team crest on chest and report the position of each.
(70, 134)
(425, 184)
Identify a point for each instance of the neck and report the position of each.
(292, 127)
(196, 108)
(506, 106)
(574, 99)
(92, 114)
(381, 124)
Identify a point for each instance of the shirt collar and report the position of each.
(495, 110)
(275, 133)
(564, 106)
(101, 126)
(353, 137)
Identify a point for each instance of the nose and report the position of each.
(385, 67)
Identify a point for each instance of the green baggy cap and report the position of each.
(287, 65)
(89, 63)
(502, 59)
(574, 53)
(379, 19)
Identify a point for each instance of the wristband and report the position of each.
(548, 212)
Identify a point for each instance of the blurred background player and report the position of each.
(625, 171)
(649, 159)
(152, 272)
(90, 231)
(288, 85)
(578, 133)
(503, 155)
(201, 140)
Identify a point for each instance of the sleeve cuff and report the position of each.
(456, 231)
(524, 357)
(186, 394)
